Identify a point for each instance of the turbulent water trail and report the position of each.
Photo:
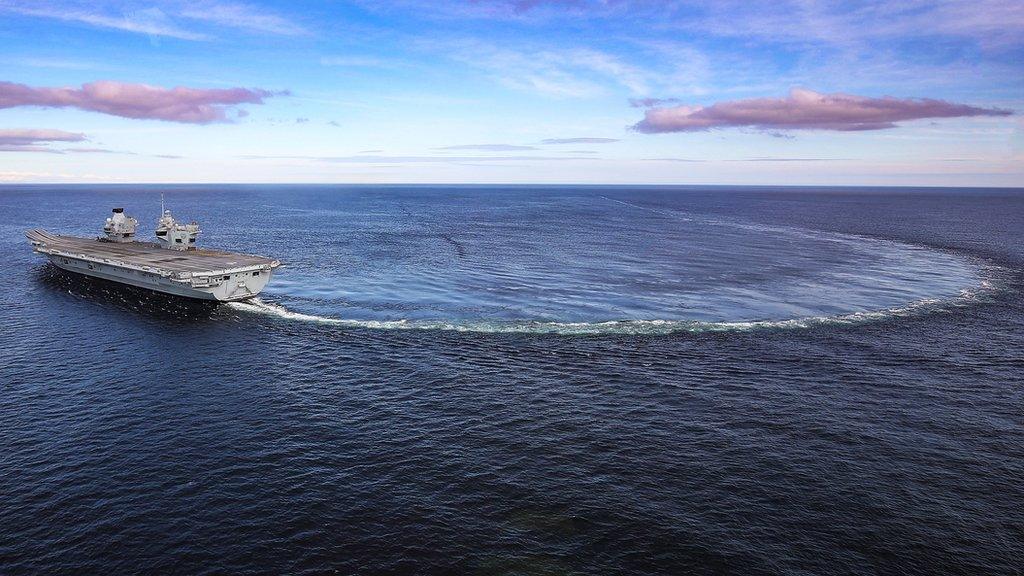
(259, 306)
(569, 263)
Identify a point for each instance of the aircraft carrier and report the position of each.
(172, 265)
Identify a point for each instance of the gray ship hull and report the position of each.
(200, 274)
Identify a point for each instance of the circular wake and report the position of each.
(636, 327)
(593, 265)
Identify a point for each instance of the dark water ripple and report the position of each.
(141, 435)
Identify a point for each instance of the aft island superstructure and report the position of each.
(173, 264)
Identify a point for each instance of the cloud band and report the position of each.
(140, 101)
(806, 110)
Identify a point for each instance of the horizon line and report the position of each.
(508, 184)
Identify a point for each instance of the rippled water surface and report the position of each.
(498, 260)
(525, 380)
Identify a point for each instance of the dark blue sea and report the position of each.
(522, 381)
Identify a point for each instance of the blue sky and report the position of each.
(525, 91)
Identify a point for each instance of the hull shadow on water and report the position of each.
(157, 305)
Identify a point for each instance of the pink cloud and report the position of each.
(188, 105)
(806, 110)
(31, 136)
(96, 151)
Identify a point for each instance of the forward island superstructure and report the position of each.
(173, 264)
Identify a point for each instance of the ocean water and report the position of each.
(524, 380)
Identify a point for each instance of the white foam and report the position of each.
(258, 306)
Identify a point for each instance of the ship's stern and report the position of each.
(232, 285)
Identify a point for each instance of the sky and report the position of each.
(514, 91)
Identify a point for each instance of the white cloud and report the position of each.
(552, 71)
(162, 20)
(245, 17)
(150, 21)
